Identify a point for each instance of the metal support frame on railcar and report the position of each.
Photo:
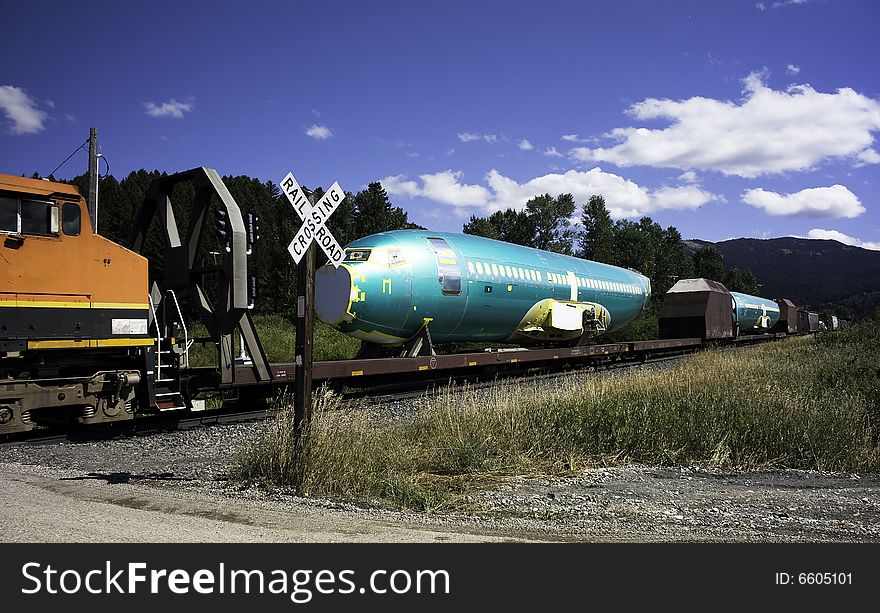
(229, 313)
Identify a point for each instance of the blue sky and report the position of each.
(725, 119)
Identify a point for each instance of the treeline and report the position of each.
(544, 223)
(367, 212)
(658, 253)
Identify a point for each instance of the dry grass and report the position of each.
(810, 403)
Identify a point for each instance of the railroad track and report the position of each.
(147, 425)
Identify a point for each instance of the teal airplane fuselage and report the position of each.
(468, 288)
(753, 313)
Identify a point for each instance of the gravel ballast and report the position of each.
(173, 487)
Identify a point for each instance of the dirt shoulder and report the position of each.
(174, 487)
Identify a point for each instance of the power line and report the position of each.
(68, 157)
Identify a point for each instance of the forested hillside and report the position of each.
(820, 274)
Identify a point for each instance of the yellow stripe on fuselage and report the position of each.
(100, 342)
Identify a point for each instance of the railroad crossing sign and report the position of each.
(314, 220)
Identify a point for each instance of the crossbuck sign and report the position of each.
(314, 220)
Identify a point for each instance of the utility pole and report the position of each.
(305, 325)
(93, 178)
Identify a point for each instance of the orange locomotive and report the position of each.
(74, 311)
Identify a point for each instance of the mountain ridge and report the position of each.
(788, 267)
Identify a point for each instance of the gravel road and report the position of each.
(173, 487)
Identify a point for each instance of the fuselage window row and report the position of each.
(484, 270)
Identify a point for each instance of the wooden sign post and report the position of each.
(313, 231)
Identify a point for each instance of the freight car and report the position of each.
(808, 321)
(705, 309)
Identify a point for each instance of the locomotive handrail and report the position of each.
(186, 341)
(158, 338)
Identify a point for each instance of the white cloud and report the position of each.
(571, 138)
(768, 132)
(830, 202)
(399, 185)
(467, 137)
(688, 177)
(623, 197)
(868, 156)
(682, 198)
(525, 145)
(172, 108)
(792, 69)
(552, 152)
(846, 239)
(319, 131)
(21, 110)
(761, 6)
(445, 187)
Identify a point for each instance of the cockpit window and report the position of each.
(357, 255)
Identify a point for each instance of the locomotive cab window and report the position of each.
(36, 217)
(448, 271)
(70, 219)
(8, 214)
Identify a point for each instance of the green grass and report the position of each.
(276, 332)
(808, 403)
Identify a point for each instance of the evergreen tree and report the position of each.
(597, 235)
(543, 224)
(673, 262)
(709, 263)
(373, 212)
(549, 218)
(744, 281)
(481, 226)
(514, 227)
(637, 245)
(509, 226)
